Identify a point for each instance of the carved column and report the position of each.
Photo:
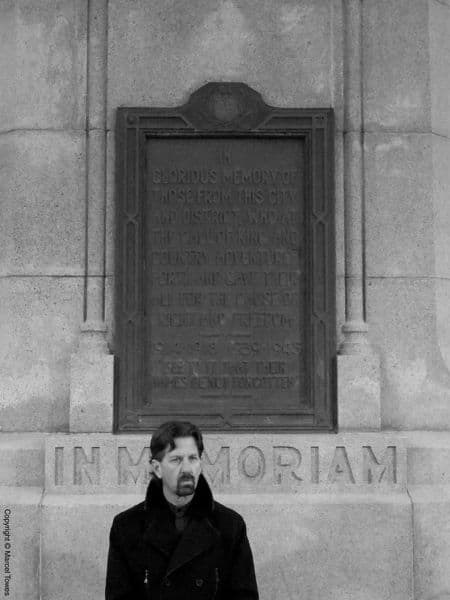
(91, 391)
(358, 367)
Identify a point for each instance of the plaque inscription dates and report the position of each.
(225, 264)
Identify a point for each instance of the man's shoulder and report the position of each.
(134, 513)
(227, 515)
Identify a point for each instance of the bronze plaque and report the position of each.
(225, 264)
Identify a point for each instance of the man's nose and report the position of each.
(186, 466)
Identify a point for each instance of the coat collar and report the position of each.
(202, 503)
(160, 533)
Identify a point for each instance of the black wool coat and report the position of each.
(149, 559)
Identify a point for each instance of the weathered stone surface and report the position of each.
(340, 309)
(339, 204)
(337, 62)
(91, 392)
(303, 561)
(358, 392)
(441, 230)
(109, 311)
(401, 316)
(40, 323)
(396, 65)
(431, 505)
(363, 560)
(75, 536)
(43, 190)
(43, 64)
(442, 299)
(20, 520)
(441, 208)
(239, 463)
(22, 459)
(440, 65)
(428, 458)
(110, 233)
(399, 216)
(161, 51)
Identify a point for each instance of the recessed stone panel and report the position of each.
(160, 51)
(43, 203)
(43, 64)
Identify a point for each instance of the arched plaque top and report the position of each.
(225, 105)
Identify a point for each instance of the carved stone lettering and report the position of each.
(340, 469)
(226, 236)
(252, 463)
(86, 469)
(374, 470)
(218, 470)
(286, 463)
(315, 465)
(130, 470)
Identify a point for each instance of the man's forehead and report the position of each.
(182, 445)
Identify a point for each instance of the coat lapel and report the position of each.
(198, 537)
(160, 534)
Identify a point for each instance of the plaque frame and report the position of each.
(224, 110)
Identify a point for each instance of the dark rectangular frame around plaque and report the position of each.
(221, 111)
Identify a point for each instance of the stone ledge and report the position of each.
(22, 455)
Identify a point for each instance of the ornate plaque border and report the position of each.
(224, 110)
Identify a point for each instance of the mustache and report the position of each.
(182, 478)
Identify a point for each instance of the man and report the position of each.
(179, 543)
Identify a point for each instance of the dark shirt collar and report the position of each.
(179, 511)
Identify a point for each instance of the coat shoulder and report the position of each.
(227, 518)
(129, 515)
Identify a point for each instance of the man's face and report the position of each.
(179, 469)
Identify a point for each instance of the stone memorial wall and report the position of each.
(356, 511)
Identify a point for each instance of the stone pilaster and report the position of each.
(92, 367)
(358, 367)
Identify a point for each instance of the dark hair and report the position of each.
(166, 434)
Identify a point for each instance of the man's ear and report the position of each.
(156, 467)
